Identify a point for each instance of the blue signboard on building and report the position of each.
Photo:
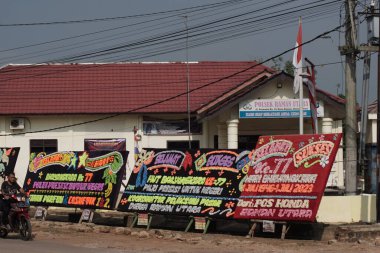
(274, 108)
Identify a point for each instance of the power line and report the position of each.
(120, 17)
(242, 32)
(91, 34)
(139, 44)
(105, 30)
(201, 8)
(81, 35)
(181, 31)
(161, 25)
(176, 35)
(148, 28)
(82, 67)
(180, 94)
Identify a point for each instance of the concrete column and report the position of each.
(327, 124)
(222, 135)
(3, 128)
(205, 135)
(232, 133)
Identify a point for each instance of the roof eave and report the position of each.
(226, 96)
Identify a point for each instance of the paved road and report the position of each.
(55, 238)
(13, 244)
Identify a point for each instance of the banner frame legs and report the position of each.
(134, 221)
(284, 230)
(208, 221)
(191, 221)
(44, 211)
(89, 220)
(150, 218)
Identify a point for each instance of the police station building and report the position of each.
(57, 107)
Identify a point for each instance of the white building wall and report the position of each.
(69, 139)
(336, 178)
(72, 138)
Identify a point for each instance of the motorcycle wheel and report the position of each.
(25, 229)
(3, 232)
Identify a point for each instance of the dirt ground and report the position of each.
(140, 240)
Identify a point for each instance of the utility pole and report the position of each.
(373, 46)
(378, 140)
(378, 122)
(351, 114)
(364, 117)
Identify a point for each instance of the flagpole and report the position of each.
(301, 87)
(313, 92)
(301, 106)
(298, 82)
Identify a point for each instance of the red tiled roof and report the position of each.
(116, 87)
(332, 96)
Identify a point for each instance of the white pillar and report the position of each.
(327, 124)
(205, 135)
(232, 133)
(3, 138)
(222, 135)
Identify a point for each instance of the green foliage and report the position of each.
(289, 68)
(279, 65)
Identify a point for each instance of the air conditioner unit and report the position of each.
(17, 124)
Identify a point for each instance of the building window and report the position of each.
(47, 146)
(105, 144)
(152, 126)
(216, 142)
(182, 144)
(247, 142)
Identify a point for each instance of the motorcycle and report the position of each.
(21, 219)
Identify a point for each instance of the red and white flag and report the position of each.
(297, 60)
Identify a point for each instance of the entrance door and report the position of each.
(247, 142)
(182, 144)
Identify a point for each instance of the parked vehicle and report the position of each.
(21, 219)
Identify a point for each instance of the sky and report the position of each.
(240, 30)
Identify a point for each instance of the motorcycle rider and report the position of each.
(8, 188)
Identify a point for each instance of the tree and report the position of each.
(279, 64)
(289, 68)
(342, 96)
